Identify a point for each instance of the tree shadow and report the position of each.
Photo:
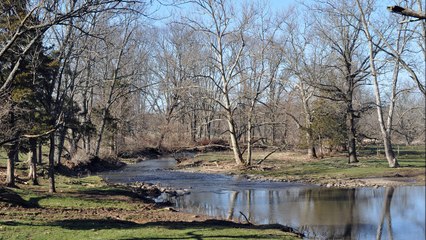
(34, 201)
(99, 193)
(100, 224)
(10, 197)
(111, 192)
(96, 224)
(15, 223)
(111, 224)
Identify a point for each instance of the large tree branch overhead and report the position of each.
(407, 12)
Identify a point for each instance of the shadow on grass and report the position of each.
(97, 224)
(15, 223)
(34, 201)
(111, 192)
(100, 224)
(116, 192)
(8, 196)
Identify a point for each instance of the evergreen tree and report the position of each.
(24, 112)
(329, 125)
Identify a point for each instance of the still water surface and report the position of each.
(320, 213)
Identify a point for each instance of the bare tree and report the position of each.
(259, 66)
(51, 14)
(115, 79)
(401, 41)
(347, 64)
(419, 29)
(304, 59)
(410, 119)
(224, 32)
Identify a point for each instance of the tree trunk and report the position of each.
(390, 154)
(73, 143)
(234, 142)
(61, 142)
(32, 159)
(51, 172)
(193, 125)
(40, 151)
(351, 134)
(112, 149)
(311, 146)
(385, 130)
(11, 157)
(308, 121)
(249, 143)
(87, 143)
(111, 89)
(101, 132)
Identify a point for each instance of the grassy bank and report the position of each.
(87, 208)
(372, 169)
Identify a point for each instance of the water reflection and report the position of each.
(386, 214)
(322, 213)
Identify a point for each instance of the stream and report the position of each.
(320, 213)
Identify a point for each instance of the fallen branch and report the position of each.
(248, 222)
(269, 154)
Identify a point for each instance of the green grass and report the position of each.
(75, 212)
(71, 193)
(295, 166)
(118, 229)
(338, 168)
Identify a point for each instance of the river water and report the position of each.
(320, 213)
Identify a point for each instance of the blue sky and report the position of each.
(275, 5)
(281, 4)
